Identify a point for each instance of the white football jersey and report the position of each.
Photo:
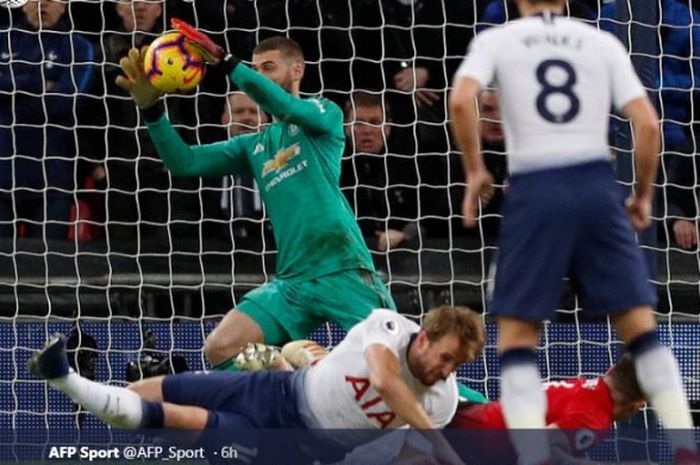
(338, 391)
(557, 80)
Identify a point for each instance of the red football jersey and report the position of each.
(584, 408)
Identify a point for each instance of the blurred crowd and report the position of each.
(76, 162)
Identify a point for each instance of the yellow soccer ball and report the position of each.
(172, 65)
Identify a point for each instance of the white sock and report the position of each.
(660, 380)
(524, 405)
(116, 406)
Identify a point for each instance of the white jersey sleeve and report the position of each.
(626, 85)
(383, 327)
(480, 62)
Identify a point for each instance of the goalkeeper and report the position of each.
(324, 269)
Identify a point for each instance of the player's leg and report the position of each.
(150, 389)
(537, 239)
(614, 279)
(234, 331)
(256, 319)
(116, 406)
(522, 398)
(658, 374)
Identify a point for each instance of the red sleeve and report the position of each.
(587, 416)
(590, 407)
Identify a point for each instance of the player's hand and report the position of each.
(639, 209)
(685, 233)
(135, 80)
(210, 50)
(479, 186)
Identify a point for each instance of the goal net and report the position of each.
(100, 240)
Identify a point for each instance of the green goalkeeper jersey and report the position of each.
(296, 163)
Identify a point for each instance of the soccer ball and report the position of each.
(172, 64)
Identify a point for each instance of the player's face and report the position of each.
(436, 359)
(44, 13)
(139, 15)
(367, 129)
(490, 118)
(283, 71)
(241, 115)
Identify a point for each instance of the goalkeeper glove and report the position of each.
(213, 53)
(135, 80)
(303, 352)
(257, 357)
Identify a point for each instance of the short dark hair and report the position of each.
(361, 98)
(289, 48)
(624, 379)
(461, 321)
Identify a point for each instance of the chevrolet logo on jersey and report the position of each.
(281, 159)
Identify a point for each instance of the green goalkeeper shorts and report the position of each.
(290, 310)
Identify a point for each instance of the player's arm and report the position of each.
(465, 123)
(385, 377)
(630, 98)
(465, 128)
(312, 114)
(181, 159)
(647, 142)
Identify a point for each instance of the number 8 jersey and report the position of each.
(557, 80)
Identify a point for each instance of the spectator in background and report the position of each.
(423, 48)
(144, 207)
(683, 198)
(680, 68)
(500, 11)
(44, 68)
(423, 42)
(242, 204)
(382, 188)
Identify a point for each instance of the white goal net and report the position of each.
(98, 237)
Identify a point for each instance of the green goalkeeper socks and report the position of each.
(470, 395)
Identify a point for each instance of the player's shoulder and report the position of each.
(384, 313)
(248, 141)
(324, 104)
(391, 321)
(493, 34)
